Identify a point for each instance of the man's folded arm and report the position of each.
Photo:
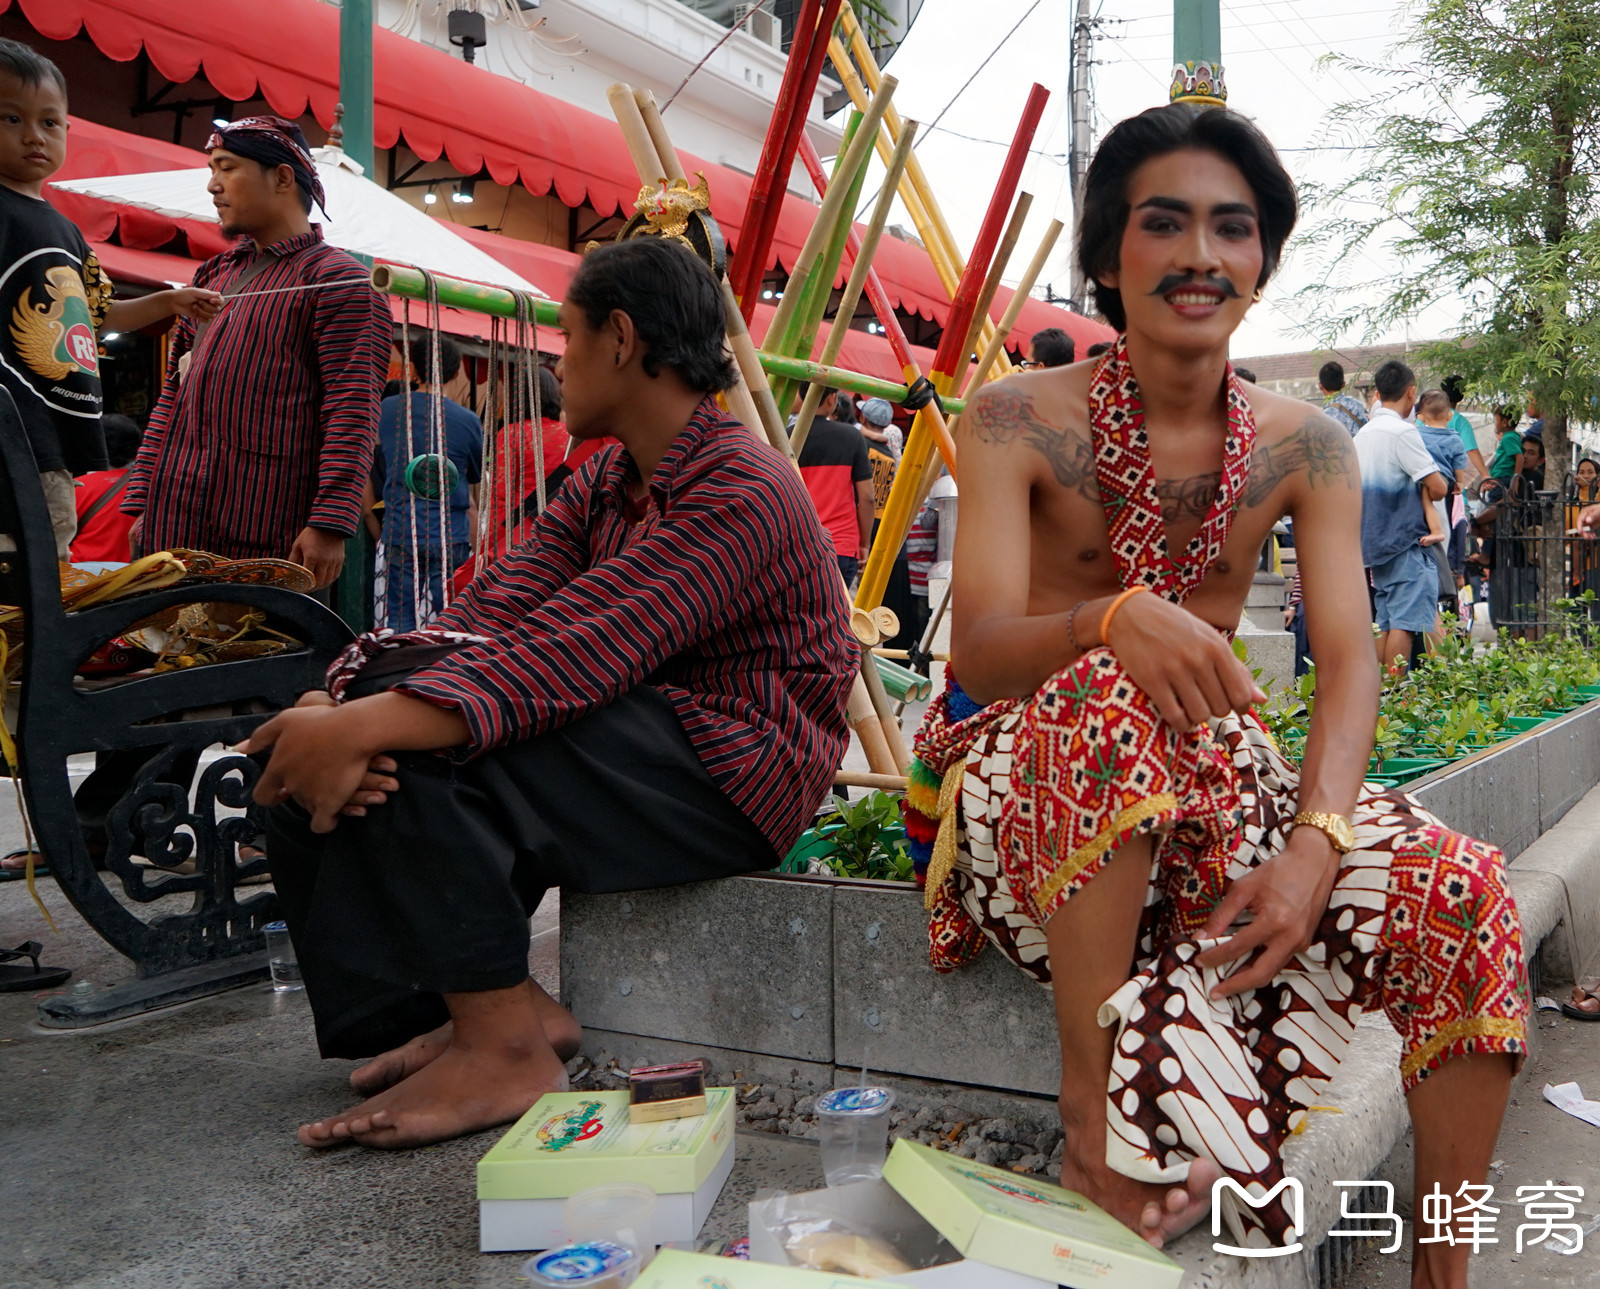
(604, 632)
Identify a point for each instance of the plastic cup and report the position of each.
(622, 1213)
(280, 957)
(597, 1265)
(853, 1129)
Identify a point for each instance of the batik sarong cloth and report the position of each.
(1038, 793)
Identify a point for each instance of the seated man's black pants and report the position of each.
(431, 893)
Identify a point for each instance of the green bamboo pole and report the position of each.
(409, 283)
(856, 284)
(828, 214)
(819, 289)
(806, 276)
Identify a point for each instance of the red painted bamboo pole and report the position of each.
(771, 149)
(949, 356)
(816, 52)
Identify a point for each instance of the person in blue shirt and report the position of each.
(1456, 467)
(424, 540)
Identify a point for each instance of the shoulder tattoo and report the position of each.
(1002, 416)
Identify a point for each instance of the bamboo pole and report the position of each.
(991, 284)
(853, 287)
(884, 308)
(832, 203)
(883, 707)
(861, 779)
(863, 719)
(751, 248)
(409, 283)
(914, 461)
(916, 191)
(767, 418)
(760, 239)
(812, 283)
(1013, 310)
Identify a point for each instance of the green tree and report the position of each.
(1476, 177)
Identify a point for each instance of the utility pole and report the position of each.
(355, 80)
(1197, 53)
(1082, 131)
(352, 593)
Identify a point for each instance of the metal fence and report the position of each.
(1533, 560)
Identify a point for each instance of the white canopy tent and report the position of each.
(362, 218)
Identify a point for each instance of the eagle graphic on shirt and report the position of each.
(56, 337)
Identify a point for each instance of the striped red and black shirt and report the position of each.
(274, 426)
(724, 595)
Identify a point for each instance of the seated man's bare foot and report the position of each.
(561, 1031)
(461, 1090)
(1158, 1213)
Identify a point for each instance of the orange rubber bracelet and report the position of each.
(1111, 611)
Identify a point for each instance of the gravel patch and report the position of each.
(1031, 1146)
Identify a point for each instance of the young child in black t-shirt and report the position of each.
(54, 299)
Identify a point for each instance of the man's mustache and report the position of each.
(1175, 280)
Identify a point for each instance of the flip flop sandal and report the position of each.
(20, 873)
(1575, 1008)
(18, 978)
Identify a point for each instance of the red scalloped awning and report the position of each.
(513, 130)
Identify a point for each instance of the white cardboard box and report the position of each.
(874, 1206)
(507, 1225)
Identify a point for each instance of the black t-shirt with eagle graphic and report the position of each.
(53, 298)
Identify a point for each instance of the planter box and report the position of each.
(831, 973)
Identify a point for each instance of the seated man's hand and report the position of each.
(320, 758)
(1286, 898)
(1183, 663)
(375, 785)
(1589, 521)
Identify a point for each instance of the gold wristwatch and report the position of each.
(1336, 827)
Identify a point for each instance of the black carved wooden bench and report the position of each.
(203, 934)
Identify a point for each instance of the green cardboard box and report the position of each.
(995, 1216)
(674, 1269)
(571, 1141)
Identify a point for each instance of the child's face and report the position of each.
(33, 133)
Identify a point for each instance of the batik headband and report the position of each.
(273, 142)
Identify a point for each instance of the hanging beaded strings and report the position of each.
(441, 458)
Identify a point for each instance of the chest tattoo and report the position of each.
(1320, 448)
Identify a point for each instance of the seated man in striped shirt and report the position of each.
(649, 690)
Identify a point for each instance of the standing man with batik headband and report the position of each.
(263, 437)
(1214, 916)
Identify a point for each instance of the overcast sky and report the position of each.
(1269, 50)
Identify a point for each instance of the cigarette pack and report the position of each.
(674, 1269)
(1021, 1224)
(571, 1141)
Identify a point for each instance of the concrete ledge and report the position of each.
(1568, 854)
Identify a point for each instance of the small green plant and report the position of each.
(868, 840)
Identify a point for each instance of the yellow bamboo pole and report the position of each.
(860, 779)
(936, 228)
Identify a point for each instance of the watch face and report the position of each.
(1344, 834)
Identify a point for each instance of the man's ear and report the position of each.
(283, 178)
(620, 330)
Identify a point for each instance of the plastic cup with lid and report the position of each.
(622, 1213)
(598, 1265)
(853, 1129)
